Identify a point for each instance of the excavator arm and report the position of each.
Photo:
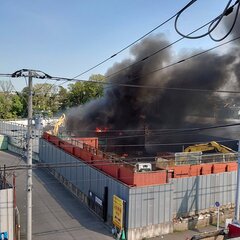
(59, 122)
(204, 147)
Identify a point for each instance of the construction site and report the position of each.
(158, 191)
(168, 156)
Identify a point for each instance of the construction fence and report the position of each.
(145, 206)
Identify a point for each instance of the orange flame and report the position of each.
(98, 130)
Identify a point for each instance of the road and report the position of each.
(57, 214)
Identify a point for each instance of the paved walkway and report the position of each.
(184, 235)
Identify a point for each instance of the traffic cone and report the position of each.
(123, 235)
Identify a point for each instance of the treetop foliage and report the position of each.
(47, 98)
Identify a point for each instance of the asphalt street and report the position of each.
(57, 214)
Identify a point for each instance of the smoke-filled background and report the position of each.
(125, 107)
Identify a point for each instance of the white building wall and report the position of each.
(6, 212)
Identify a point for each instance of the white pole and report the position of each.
(237, 205)
(218, 218)
(29, 160)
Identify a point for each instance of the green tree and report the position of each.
(16, 106)
(63, 98)
(45, 98)
(10, 102)
(5, 107)
(82, 92)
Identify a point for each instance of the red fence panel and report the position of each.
(232, 166)
(219, 167)
(195, 170)
(126, 175)
(181, 171)
(150, 178)
(206, 168)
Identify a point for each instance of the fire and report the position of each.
(98, 130)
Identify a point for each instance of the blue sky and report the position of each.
(64, 38)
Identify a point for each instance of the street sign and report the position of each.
(217, 204)
(118, 208)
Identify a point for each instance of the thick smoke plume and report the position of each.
(134, 108)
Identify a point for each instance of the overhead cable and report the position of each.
(213, 24)
(131, 44)
(161, 69)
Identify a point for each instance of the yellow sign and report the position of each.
(118, 212)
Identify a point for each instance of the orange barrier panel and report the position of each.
(46, 135)
(150, 178)
(195, 170)
(91, 141)
(219, 167)
(66, 147)
(126, 175)
(100, 164)
(206, 169)
(87, 156)
(97, 157)
(112, 170)
(231, 166)
(78, 152)
(53, 139)
(181, 171)
(170, 174)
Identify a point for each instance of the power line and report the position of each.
(5, 75)
(131, 44)
(154, 71)
(147, 57)
(110, 162)
(156, 132)
(148, 144)
(156, 52)
(213, 24)
(160, 144)
(169, 132)
(24, 127)
(160, 69)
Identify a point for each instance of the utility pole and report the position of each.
(30, 74)
(29, 159)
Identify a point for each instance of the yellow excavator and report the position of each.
(59, 122)
(204, 147)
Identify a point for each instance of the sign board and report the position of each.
(95, 199)
(118, 208)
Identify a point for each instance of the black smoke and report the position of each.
(125, 107)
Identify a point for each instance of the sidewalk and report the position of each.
(185, 234)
